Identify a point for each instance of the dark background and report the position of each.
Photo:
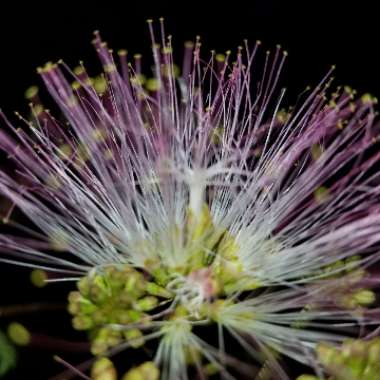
(316, 34)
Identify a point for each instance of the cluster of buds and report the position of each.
(346, 284)
(103, 369)
(117, 296)
(354, 360)
(117, 302)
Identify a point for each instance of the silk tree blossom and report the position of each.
(196, 199)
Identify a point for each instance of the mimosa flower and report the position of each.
(196, 199)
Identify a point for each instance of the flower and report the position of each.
(196, 199)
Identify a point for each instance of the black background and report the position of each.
(316, 34)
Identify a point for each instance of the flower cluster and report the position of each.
(353, 360)
(195, 198)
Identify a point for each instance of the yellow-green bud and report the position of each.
(18, 334)
(74, 299)
(99, 317)
(122, 317)
(105, 338)
(135, 337)
(211, 369)
(374, 352)
(135, 284)
(365, 297)
(78, 304)
(82, 322)
(103, 369)
(99, 290)
(38, 278)
(321, 194)
(98, 347)
(135, 315)
(361, 297)
(83, 286)
(147, 303)
(146, 371)
(31, 92)
(356, 359)
(160, 276)
(156, 290)
(326, 354)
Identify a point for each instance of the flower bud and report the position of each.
(18, 334)
(135, 337)
(103, 369)
(146, 371)
(157, 290)
(82, 322)
(147, 303)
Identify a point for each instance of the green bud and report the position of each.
(115, 278)
(135, 337)
(105, 337)
(31, 92)
(83, 286)
(74, 297)
(161, 276)
(135, 315)
(103, 333)
(354, 359)
(135, 284)
(179, 312)
(87, 307)
(326, 354)
(99, 291)
(38, 278)
(156, 290)
(321, 194)
(73, 308)
(374, 352)
(353, 347)
(99, 317)
(146, 371)
(365, 297)
(122, 317)
(98, 347)
(82, 322)
(147, 303)
(18, 334)
(114, 339)
(103, 369)
(78, 304)
(125, 298)
(211, 369)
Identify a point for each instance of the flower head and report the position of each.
(196, 199)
